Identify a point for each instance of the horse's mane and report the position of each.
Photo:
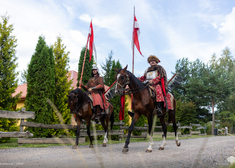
(135, 79)
(82, 96)
(77, 91)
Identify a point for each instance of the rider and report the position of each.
(95, 86)
(156, 76)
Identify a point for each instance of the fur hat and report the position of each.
(153, 58)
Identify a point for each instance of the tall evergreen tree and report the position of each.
(226, 64)
(87, 67)
(40, 86)
(8, 75)
(8, 81)
(62, 85)
(188, 90)
(107, 68)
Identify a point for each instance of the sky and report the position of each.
(169, 29)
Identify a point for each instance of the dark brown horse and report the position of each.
(80, 104)
(143, 104)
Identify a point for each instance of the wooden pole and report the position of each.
(133, 52)
(110, 87)
(133, 42)
(84, 60)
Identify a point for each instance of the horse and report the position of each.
(80, 104)
(143, 104)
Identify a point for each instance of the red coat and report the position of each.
(156, 85)
(154, 75)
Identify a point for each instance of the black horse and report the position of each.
(80, 104)
(143, 104)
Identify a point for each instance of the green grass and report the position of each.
(12, 143)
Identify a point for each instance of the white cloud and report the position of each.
(226, 29)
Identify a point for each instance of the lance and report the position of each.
(84, 60)
(110, 87)
(172, 78)
(180, 71)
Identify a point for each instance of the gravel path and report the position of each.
(199, 152)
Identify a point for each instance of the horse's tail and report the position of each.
(112, 120)
(112, 117)
(171, 111)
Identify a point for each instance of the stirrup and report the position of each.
(97, 120)
(131, 114)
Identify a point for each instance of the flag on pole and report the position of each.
(136, 32)
(122, 107)
(91, 42)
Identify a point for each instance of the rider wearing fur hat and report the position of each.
(95, 86)
(156, 76)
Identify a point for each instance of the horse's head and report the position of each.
(72, 101)
(122, 79)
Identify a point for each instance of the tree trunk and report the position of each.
(213, 117)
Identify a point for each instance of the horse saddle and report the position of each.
(152, 91)
(91, 100)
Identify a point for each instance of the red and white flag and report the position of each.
(136, 32)
(91, 42)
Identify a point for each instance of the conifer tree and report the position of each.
(116, 99)
(87, 67)
(8, 76)
(107, 69)
(188, 90)
(8, 81)
(62, 85)
(40, 86)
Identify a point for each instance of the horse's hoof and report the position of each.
(74, 147)
(148, 151)
(91, 146)
(178, 144)
(161, 148)
(125, 150)
(104, 144)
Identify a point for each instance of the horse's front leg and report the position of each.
(164, 129)
(134, 120)
(89, 132)
(105, 126)
(78, 120)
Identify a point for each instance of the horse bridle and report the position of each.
(77, 106)
(124, 85)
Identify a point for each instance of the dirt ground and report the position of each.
(199, 152)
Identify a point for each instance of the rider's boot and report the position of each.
(159, 106)
(131, 113)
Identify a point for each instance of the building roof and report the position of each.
(73, 75)
(21, 88)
